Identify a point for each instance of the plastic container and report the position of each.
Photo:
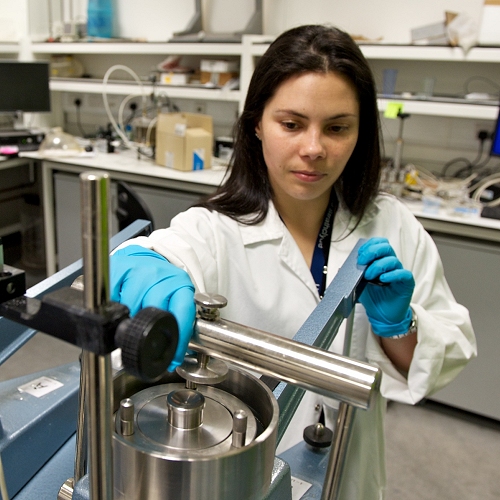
(59, 144)
(100, 18)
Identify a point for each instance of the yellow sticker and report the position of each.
(393, 109)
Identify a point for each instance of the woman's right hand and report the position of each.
(143, 278)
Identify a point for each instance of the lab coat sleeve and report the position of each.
(445, 338)
(189, 243)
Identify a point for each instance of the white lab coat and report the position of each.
(262, 273)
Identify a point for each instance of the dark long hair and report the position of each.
(245, 193)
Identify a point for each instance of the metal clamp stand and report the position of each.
(100, 326)
(97, 368)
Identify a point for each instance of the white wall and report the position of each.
(155, 20)
(390, 20)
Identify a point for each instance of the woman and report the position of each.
(305, 171)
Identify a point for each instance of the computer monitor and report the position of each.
(495, 144)
(24, 87)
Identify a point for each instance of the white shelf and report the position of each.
(204, 49)
(452, 110)
(431, 53)
(9, 47)
(82, 86)
(408, 52)
(259, 45)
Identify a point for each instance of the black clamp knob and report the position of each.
(148, 342)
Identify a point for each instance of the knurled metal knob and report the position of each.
(209, 305)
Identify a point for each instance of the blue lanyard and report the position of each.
(319, 264)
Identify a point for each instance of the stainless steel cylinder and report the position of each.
(185, 408)
(160, 460)
(95, 214)
(240, 421)
(126, 417)
(348, 380)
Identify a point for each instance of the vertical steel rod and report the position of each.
(81, 429)
(333, 476)
(95, 239)
(340, 441)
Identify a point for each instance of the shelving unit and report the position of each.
(448, 109)
(80, 85)
(9, 48)
(205, 49)
(253, 47)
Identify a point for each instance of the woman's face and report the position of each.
(308, 129)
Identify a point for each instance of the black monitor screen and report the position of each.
(24, 86)
(495, 145)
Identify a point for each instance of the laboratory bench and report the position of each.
(469, 248)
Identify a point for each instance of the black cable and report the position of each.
(452, 162)
(470, 166)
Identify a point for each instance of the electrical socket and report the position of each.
(200, 107)
(481, 128)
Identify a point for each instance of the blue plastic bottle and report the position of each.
(100, 18)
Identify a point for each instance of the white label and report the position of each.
(40, 386)
(169, 159)
(299, 488)
(180, 129)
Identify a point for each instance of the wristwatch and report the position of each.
(412, 328)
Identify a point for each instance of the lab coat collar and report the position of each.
(345, 222)
(272, 227)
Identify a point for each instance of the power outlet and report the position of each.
(483, 127)
(200, 107)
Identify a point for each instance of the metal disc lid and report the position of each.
(174, 420)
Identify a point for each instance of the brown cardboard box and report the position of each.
(184, 141)
(217, 79)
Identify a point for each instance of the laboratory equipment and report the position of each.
(208, 431)
(398, 150)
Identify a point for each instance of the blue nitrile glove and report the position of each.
(387, 304)
(143, 278)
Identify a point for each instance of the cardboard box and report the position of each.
(174, 78)
(217, 72)
(184, 141)
(218, 66)
(217, 79)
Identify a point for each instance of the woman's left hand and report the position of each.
(387, 302)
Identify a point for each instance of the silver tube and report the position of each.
(126, 417)
(240, 423)
(95, 239)
(338, 451)
(320, 371)
(81, 429)
(95, 194)
(100, 397)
